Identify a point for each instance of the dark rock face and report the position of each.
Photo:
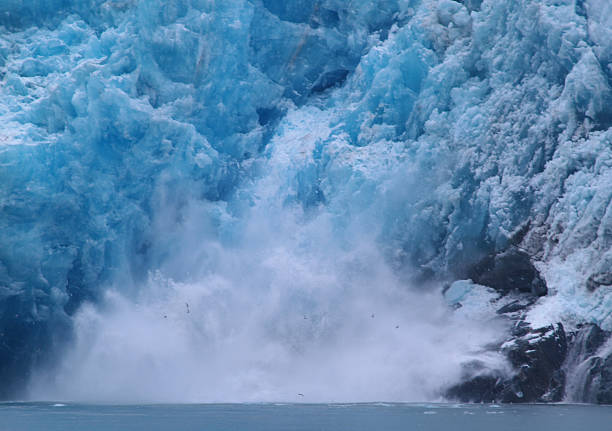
(604, 369)
(592, 383)
(508, 271)
(517, 305)
(537, 356)
(549, 366)
(590, 366)
(591, 337)
(479, 389)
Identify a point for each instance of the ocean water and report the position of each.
(304, 417)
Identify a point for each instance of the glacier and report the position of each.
(314, 158)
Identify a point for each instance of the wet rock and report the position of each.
(589, 392)
(537, 357)
(604, 393)
(516, 306)
(584, 365)
(508, 271)
(479, 385)
(520, 328)
(479, 389)
(599, 279)
(592, 337)
(596, 380)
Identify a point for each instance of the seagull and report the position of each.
(301, 395)
(397, 327)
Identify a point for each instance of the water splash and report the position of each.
(289, 313)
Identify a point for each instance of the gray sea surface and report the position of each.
(303, 417)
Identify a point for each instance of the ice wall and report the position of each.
(114, 111)
(137, 133)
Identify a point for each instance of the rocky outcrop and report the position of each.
(523, 302)
(549, 365)
(509, 271)
(603, 369)
(487, 388)
(589, 366)
(537, 357)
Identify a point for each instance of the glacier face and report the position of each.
(146, 137)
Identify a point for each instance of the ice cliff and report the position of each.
(143, 137)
